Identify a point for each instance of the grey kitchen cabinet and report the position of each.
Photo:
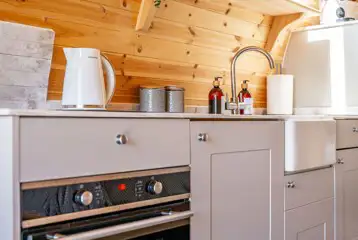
(311, 222)
(347, 134)
(309, 187)
(309, 205)
(237, 180)
(109, 145)
(347, 194)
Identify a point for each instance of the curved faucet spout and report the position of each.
(233, 69)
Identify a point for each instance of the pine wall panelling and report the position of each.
(187, 45)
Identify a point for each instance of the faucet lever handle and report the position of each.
(231, 105)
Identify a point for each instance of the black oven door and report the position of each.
(154, 223)
(177, 233)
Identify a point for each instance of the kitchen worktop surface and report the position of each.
(118, 114)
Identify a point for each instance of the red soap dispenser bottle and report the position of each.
(245, 100)
(215, 97)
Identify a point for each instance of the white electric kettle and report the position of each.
(84, 86)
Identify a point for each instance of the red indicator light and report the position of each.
(122, 187)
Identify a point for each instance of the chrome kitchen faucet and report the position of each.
(233, 105)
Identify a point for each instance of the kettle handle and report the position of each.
(111, 78)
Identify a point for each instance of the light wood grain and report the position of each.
(147, 11)
(280, 45)
(279, 23)
(227, 7)
(188, 44)
(280, 7)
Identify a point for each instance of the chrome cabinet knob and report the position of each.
(203, 137)
(340, 161)
(355, 129)
(291, 184)
(121, 139)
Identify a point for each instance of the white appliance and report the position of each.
(324, 60)
(84, 86)
(309, 144)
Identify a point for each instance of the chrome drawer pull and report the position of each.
(121, 139)
(340, 161)
(291, 184)
(203, 137)
(355, 130)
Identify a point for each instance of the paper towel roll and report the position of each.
(280, 94)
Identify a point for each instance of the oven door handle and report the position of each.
(124, 228)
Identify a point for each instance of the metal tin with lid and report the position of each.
(175, 99)
(152, 99)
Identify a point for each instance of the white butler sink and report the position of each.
(309, 144)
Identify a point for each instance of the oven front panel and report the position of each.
(149, 223)
(59, 200)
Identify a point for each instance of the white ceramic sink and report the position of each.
(309, 144)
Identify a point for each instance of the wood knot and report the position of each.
(192, 32)
(139, 49)
(103, 9)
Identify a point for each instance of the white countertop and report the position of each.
(118, 114)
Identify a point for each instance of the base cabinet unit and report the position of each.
(309, 205)
(347, 194)
(314, 221)
(237, 180)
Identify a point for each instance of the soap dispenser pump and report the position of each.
(215, 97)
(245, 99)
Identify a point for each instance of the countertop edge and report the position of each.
(190, 116)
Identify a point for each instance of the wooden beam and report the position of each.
(279, 24)
(281, 30)
(147, 11)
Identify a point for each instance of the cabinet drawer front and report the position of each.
(312, 222)
(53, 148)
(305, 188)
(347, 134)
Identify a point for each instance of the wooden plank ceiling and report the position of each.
(189, 43)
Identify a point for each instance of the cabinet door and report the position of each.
(311, 222)
(237, 180)
(347, 194)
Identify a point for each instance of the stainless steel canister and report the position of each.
(152, 99)
(175, 99)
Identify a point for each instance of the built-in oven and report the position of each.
(144, 205)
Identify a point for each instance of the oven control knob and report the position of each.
(84, 197)
(155, 187)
